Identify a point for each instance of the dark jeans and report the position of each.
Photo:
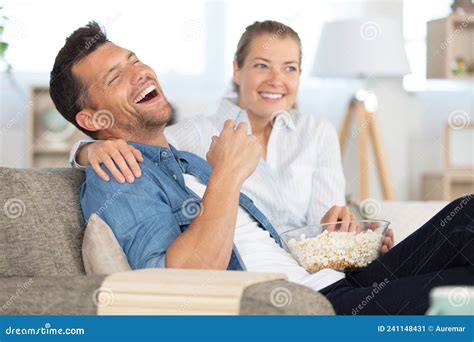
(439, 253)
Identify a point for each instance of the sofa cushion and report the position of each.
(406, 217)
(41, 224)
(101, 252)
(63, 295)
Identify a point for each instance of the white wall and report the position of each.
(410, 123)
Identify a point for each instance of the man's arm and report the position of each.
(146, 226)
(208, 241)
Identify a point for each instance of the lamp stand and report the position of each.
(367, 132)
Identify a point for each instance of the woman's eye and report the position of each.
(260, 66)
(136, 62)
(291, 68)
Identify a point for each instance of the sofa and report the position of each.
(42, 271)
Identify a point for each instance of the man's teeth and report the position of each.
(272, 95)
(144, 93)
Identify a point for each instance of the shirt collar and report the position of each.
(228, 109)
(158, 153)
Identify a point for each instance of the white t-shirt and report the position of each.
(261, 253)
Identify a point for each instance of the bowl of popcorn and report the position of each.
(337, 245)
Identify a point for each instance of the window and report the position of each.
(169, 35)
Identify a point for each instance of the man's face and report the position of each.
(117, 82)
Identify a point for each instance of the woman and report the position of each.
(299, 177)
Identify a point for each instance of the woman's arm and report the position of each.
(74, 156)
(120, 158)
(328, 190)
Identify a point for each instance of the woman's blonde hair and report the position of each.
(276, 29)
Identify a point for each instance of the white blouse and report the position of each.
(302, 176)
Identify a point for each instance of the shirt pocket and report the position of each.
(187, 211)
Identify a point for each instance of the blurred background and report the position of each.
(424, 110)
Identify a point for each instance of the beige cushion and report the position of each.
(101, 251)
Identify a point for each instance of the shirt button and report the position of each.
(174, 177)
(164, 154)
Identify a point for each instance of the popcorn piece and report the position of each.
(336, 250)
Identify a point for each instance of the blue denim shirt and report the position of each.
(147, 215)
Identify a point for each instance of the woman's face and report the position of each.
(269, 79)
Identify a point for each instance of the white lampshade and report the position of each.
(361, 48)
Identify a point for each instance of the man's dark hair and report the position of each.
(66, 90)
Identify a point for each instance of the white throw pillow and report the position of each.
(101, 252)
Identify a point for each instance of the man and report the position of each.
(184, 212)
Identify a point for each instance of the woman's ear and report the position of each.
(236, 73)
(84, 118)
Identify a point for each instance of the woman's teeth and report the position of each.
(271, 95)
(144, 93)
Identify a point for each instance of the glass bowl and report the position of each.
(340, 245)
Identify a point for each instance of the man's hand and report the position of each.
(234, 153)
(341, 213)
(388, 242)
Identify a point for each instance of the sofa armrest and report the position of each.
(407, 216)
(177, 291)
(281, 297)
(160, 292)
(58, 295)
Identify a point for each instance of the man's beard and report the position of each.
(149, 123)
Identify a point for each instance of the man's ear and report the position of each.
(236, 73)
(85, 120)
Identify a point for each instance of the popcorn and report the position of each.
(336, 250)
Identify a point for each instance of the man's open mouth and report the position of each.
(146, 95)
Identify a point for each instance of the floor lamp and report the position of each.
(367, 50)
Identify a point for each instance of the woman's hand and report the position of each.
(341, 213)
(388, 242)
(113, 153)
